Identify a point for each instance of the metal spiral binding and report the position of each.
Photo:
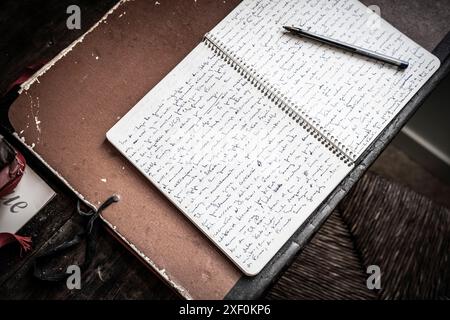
(280, 100)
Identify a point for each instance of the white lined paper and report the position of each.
(351, 98)
(234, 163)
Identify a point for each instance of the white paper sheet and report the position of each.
(235, 164)
(30, 195)
(349, 97)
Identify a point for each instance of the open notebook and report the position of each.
(249, 134)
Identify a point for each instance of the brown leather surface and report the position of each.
(67, 113)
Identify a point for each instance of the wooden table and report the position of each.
(35, 35)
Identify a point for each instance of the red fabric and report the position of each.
(26, 74)
(14, 174)
(24, 242)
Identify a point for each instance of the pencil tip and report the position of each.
(404, 65)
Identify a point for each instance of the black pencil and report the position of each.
(367, 53)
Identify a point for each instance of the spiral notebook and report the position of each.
(250, 133)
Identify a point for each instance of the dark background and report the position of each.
(34, 31)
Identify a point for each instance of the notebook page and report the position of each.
(349, 97)
(233, 162)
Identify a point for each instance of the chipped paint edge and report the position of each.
(60, 177)
(161, 272)
(35, 77)
(26, 86)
